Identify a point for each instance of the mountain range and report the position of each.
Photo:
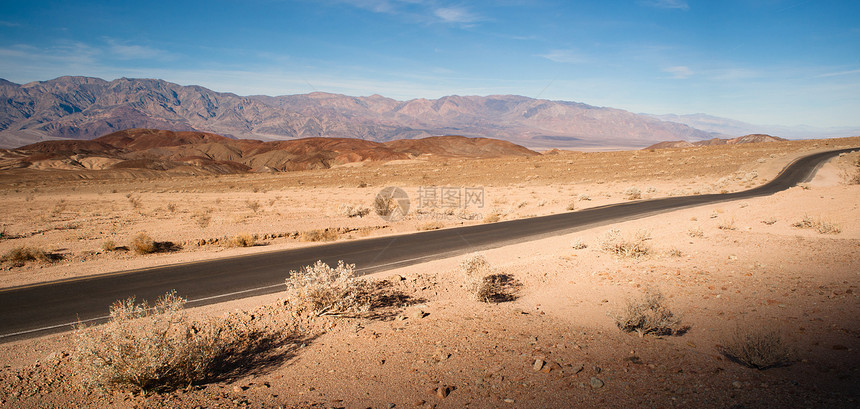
(87, 108)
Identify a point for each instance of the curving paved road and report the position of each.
(38, 309)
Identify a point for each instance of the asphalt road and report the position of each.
(38, 309)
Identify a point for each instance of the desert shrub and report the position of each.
(492, 218)
(483, 283)
(769, 221)
(648, 315)
(202, 219)
(143, 244)
(323, 290)
(171, 207)
(584, 197)
(319, 235)
(675, 252)
(253, 205)
(108, 245)
(20, 256)
(633, 193)
(636, 246)
(820, 225)
(434, 225)
(151, 348)
(578, 244)
(851, 176)
(242, 240)
(571, 206)
(353, 210)
(728, 224)
(134, 201)
(758, 348)
(696, 232)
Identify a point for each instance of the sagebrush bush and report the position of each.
(648, 315)
(492, 218)
(695, 232)
(820, 225)
(109, 245)
(757, 348)
(20, 256)
(633, 193)
(578, 244)
(151, 348)
(434, 225)
(636, 246)
(322, 290)
(242, 240)
(484, 284)
(353, 210)
(143, 244)
(320, 235)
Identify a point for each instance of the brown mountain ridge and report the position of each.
(163, 150)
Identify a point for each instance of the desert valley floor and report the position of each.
(724, 269)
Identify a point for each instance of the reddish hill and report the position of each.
(459, 146)
(752, 138)
(164, 150)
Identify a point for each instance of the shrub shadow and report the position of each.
(258, 353)
(500, 288)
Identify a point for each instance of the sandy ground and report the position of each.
(734, 266)
(75, 216)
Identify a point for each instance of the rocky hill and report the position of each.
(164, 150)
(86, 108)
(752, 138)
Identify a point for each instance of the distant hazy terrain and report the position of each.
(86, 108)
(732, 127)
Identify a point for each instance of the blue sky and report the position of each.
(784, 62)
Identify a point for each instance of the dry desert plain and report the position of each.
(723, 269)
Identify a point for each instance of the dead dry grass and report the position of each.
(628, 246)
(649, 315)
(156, 347)
(822, 226)
(759, 348)
(484, 283)
(322, 290)
(20, 256)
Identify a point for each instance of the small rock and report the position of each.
(419, 403)
(737, 384)
(577, 368)
(443, 391)
(595, 383)
(417, 314)
(391, 406)
(538, 364)
(551, 366)
(597, 369)
(237, 389)
(509, 400)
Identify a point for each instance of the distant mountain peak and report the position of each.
(86, 108)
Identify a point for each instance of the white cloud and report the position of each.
(134, 52)
(565, 56)
(4, 23)
(679, 72)
(667, 4)
(456, 15)
(838, 73)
